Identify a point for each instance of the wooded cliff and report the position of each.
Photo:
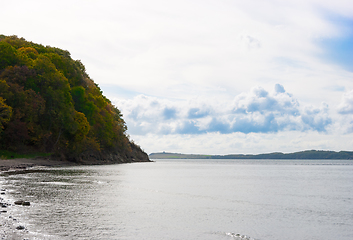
(48, 103)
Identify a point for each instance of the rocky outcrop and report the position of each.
(134, 154)
(138, 155)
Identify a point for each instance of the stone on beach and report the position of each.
(23, 203)
(19, 202)
(20, 227)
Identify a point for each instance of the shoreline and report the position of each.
(25, 163)
(11, 227)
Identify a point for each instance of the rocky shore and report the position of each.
(10, 225)
(24, 163)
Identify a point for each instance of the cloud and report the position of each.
(316, 118)
(236, 143)
(188, 127)
(217, 125)
(346, 105)
(259, 100)
(345, 110)
(169, 113)
(197, 112)
(279, 88)
(250, 42)
(256, 111)
(181, 49)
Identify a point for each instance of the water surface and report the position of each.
(188, 199)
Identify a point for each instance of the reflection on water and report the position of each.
(188, 199)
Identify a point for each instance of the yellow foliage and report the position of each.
(5, 113)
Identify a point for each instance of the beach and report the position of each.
(24, 163)
(10, 225)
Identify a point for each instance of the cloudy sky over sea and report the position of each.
(214, 77)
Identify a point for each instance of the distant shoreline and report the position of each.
(309, 154)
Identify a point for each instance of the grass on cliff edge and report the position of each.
(4, 154)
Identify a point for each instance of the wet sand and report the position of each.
(24, 163)
(10, 226)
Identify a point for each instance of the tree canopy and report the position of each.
(48, 103)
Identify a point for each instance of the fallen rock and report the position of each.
(23, 203)
(19, 202)
(20, 227)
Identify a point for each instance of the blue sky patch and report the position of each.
(339, 50)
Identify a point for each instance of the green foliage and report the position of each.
(8, 55)
(48, 103)
(5, 113)
(5, 154)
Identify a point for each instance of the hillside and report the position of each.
(49, 104)
(309, 154)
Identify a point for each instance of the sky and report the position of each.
(211, 76)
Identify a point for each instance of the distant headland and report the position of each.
(308, 154)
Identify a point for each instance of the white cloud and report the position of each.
(345, 110)
(259, 100)
(346, 105)
(256, 111)
(180, 46)
(216, 143)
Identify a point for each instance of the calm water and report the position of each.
(188, 199)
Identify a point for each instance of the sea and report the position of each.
(187, 199)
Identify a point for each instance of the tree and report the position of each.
(5, 113)
(8, 55)
(49, 103)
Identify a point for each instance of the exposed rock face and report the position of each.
(138, 155)
(134, 154)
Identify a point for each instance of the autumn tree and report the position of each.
(49, 103)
